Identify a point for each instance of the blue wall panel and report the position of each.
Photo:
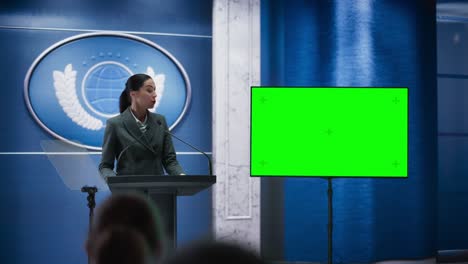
(174, 17)
(453, 194)
(452, 49)
(43, 220)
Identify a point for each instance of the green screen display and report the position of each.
(329, 131)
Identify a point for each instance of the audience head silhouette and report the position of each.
(120, 245)
(125, 230)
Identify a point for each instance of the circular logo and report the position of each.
(102, 87)
(75, 85)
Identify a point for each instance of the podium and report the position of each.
(163, 191)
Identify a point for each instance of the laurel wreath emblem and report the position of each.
(65, 90)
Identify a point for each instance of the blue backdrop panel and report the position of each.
(177, 16)
(452, 49)
(453, 197)
(360, 43)
(452, 101)
(197, 65)
(47, 222)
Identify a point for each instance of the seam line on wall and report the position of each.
(452, 76)
(81, 153)
(444, 18)
(116, 31)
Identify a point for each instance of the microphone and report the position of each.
(129, 145)
(210, 167)
(89, 189)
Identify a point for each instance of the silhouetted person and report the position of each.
(120, 245)
(125, 215)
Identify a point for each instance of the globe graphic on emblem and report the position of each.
(103, 86)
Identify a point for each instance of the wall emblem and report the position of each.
(74, 85)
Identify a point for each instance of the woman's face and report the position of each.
(145, 97)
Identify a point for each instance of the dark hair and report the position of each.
(119, 245)
(214, 252)
(131, 211)
(134, 83)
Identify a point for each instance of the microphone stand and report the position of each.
(91, 204)
(210, 166)
(330, 220)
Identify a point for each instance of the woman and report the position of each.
(136, 139)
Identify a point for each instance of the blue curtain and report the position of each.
(385, 43)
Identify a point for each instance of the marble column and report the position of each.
(236, 67)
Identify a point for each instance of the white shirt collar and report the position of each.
(138, 121)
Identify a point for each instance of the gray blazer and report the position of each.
(141, 153)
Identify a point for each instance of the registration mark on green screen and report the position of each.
(329, 131)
